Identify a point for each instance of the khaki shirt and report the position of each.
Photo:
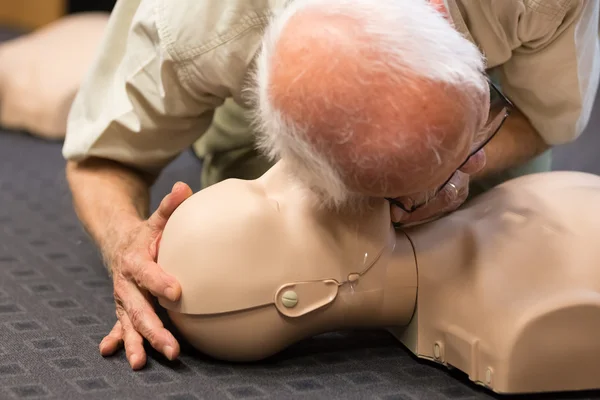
(165, 66)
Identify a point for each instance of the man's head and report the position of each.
(370, 97)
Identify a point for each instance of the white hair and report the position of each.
(411, 39)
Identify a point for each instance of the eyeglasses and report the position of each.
(500, 108)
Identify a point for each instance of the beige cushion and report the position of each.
(41, 72)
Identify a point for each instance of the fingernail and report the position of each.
(133, 361)
(170, 294)
(398, 214)
(176, 186)
(169, 352)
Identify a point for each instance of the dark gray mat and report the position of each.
(56, 304)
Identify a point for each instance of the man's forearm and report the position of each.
(515, 144)
(108, 198)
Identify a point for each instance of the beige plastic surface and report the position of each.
(41, 72)
(239, 247)
(508, 287)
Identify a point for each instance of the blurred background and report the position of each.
(56, 300)
(31, 14)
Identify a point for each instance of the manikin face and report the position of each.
(269, 230)
(239, 246)
(232, 226)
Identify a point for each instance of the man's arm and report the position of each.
(551, 77)
(515, 144)
(112, 201)
(146, 99)
(108, 198)
(547, 59)
(130, 118)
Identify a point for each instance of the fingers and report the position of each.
(137, 320)
(400, 215)
(136, 275)
(113, 341)
(141, 320)
(455, 193)
(124, 333)
(134, 344)
(475, 163)
(155, 245)
(448, 199)
(148, 275)
(169, 203)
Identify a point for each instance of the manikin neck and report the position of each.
(449, 238)
(355, 235)
(441, 248)
(357, 246)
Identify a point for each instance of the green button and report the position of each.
(289, 299)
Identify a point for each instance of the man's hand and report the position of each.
(447, 198)
(137, 276)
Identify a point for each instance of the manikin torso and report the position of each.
(508, 286)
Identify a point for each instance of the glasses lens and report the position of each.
(500, 107)
(497, 114)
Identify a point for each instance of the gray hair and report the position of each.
(411, 40)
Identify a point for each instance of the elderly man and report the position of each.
(166, 66)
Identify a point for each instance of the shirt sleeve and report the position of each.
(135, 105)
(553, 70)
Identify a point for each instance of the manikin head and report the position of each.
(355, 109)
(371, 97)
(242, 249)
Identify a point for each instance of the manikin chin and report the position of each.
(507, 289)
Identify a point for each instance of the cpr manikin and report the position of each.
(506, 289)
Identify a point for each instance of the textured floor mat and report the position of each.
(56, 305)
